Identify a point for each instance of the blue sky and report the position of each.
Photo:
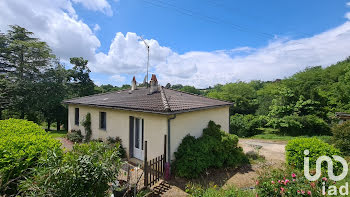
(198, 43)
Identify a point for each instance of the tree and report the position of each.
(242, 94)
(190, 89)
(25, 58)
(53, 87)
(79, 78)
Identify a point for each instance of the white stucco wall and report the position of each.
(155, 126)
(194, 122)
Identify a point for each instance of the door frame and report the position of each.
(135, 152)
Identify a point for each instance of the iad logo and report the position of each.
(332, 189)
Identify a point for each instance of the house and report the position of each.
(342, 116)
(147, 114)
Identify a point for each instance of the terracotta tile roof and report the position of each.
(164, 101)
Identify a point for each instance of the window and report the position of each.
(103, 120)
(76, 116)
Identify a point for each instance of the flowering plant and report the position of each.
(289, 182)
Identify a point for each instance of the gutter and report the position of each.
(169, 119)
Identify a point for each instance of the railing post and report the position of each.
(165, 139)
(145, 166)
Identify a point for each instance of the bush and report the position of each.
(214, 148)
(341, 137)
(246, 125)
(75, 136)
(85, 171)
(87, 126)
(117, 140)
(301, 125)
(22, 143)
(288, 182)
(296, 147)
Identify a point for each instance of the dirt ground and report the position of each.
(243, 177)
(274, 153)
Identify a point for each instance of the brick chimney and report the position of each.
(153, 84)
(133, 83)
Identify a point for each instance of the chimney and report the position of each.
(153, 84)
(133, 83)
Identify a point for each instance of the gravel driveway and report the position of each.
(274, 153)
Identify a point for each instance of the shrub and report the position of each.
(22, 143)
(117, 140)
(215, 148)
(75, 136)
(301, 125)
(85, 171)
(341, 137)
(296, 147)
(87, 126)
(288, 182)
(246, 125)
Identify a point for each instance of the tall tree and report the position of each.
(53, 86)
(27, 57)
(80, 82)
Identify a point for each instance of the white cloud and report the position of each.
(347, 15)
(97, 28)
(278, 59)
(118, 78)
(348, 4)
(55, 22)
(96, 5)
(128, 54)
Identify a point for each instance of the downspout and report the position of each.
(169, 119)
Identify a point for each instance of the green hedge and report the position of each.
(22, 143)
(215, 148)
(341, 137)
(296, 147)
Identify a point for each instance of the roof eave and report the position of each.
(148, 111)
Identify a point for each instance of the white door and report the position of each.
(138, 138)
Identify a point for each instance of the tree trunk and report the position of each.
(58, 125)
(48, 125)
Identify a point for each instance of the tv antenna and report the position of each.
(147, 59)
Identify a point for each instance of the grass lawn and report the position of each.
(56, 134)
(271, 136)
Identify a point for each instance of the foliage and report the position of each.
(296, 147)
(75, 136)
(85, 171)
(190, 89)
(295, 125)
(87, 126)
(273, 136)
(242, 94)
(246, 125)
(288, 182)
(117, 140)
(197, 190)
(81, 84)
(341, 137)
(21, 144)
(214, 148)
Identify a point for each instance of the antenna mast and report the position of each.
(147, 58)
